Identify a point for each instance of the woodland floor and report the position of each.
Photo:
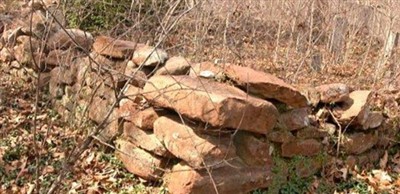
(99, 171)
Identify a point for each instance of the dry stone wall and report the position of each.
(195, 126)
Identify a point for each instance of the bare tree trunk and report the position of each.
(338, 37)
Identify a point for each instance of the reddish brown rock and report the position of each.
(308, 166)
(137, 76)
(67, 38)
(331, 93)
(62, 75)
(198, 68)
(211, 102)
(39, 25)
(312, 132)
(112, 129)
(131, 68)
(112, 70)
(59, 57)
(358, 143)
(265, 85)
(99, 109)
(374, 120)
(281, 136)
(313, 96)
(308, 147)
(252, 150)
(128, 104)
(144, 139)
(111, 47)
(6, 55)
(149, 56)
(294, 119)
(185, 142)
(328, 128)
(44, 79)
(370, 157)
(104, 61)
(133, 93)
(144, 119)
(105, 93)
(83, 69)
(355, 109)
(174, 66)
(138, 161)
(351, 161)
(23, 51)
(233, 178)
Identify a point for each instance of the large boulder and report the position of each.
(187, 143)
(255, 82)
(111, 47)
(234, 177)
(265, 85)
(211, 102)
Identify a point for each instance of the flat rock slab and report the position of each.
(356, 108)
(138, 161)
(312, 132)
(149, 56)
(265, 85)
(174, 66)
(68, 38)
(213, 69)
(144, 139)
(186, 142)
(112, 47)
(211, 102)
(233, 178)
